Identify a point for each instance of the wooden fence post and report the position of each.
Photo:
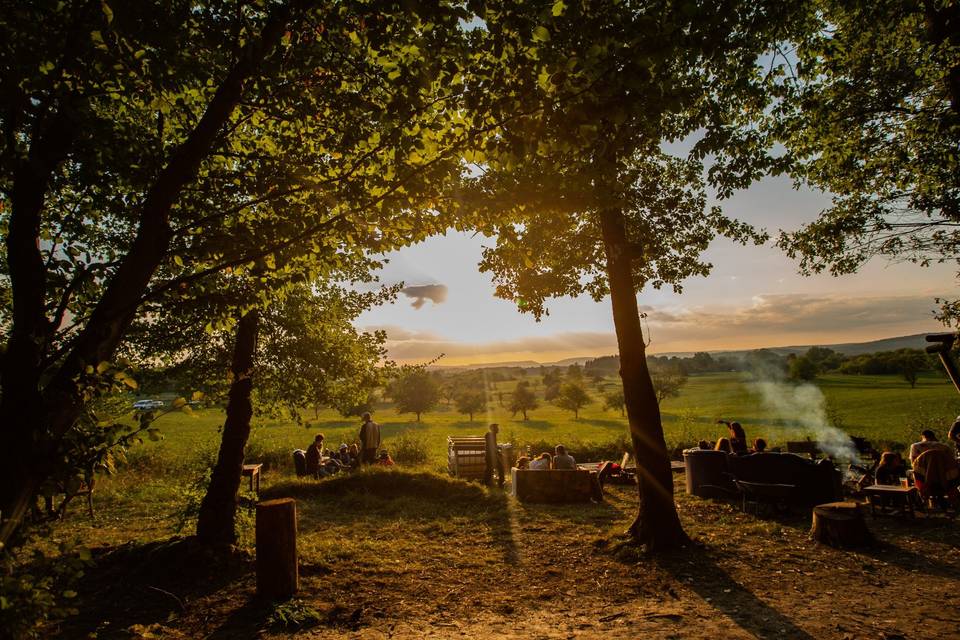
(277, 573)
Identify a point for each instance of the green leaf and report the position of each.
(103, 367)
(558, 8)
(130, 382)
(107, 11)
(541, 34)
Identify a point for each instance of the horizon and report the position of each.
(753, 298)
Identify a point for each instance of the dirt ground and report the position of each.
(452, 568)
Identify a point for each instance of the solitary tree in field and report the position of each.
(471, 402)
(613, 400)
(523, 399)
(414, 391)
(573, 397)
(667, 381)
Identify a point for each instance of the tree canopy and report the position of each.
(870, 113)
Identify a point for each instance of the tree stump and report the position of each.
(277, 574)
(840, 524)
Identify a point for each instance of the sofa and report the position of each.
(712, 473)
(555, 485)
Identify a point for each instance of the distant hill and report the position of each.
(916, 341)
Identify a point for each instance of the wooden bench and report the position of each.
(555, 486)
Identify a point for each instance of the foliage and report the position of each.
(667, 382)
(871, 113)
(293, 615)
(614, 400)
(202, 153)
(414, 390)
(471, 402)
(409, 448)
(573, 397)
(523, 400)
(803, 368)
(36, 586)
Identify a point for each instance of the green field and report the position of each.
(883, 409)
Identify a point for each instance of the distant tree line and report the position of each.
(908, 363)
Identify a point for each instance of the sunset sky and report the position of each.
(753, 298)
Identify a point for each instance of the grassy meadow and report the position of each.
(883, 409)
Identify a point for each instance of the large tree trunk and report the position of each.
(215, 525)
(657, 525)
(33, 423)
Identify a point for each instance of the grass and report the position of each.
(883, 409)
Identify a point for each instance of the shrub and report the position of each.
(409, 448)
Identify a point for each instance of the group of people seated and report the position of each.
(736, 442)
(935, 470)
(320, 462)
(559, 460)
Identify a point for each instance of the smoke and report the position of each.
(803, 409)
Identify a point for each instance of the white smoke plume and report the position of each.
(805, 407)
(801, 408)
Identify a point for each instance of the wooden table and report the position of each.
(897, 494)
(253, 470)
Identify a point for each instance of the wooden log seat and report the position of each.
(840, 524)
(555, 486)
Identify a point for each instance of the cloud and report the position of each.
(411, 346)
(770, 320)
(436, 293)
(783, 319)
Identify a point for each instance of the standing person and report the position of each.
(369, 440)
(493, 459)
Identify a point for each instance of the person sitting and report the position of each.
(343, 455)
(384, 460)
(354, 456)
(523, 463)
(314, 456)
(562, 459)
(928, 440)
(954, 436)
(759, 445)
(723, 444)
(703, 444)
(890, 469)
(541, 462)
(738, 438)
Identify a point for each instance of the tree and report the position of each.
(160, 145)
(471, 402)
(614, 401)
(871, 113)
(573, 397)
(667, 381)
(414, 391)
(803, 368)
(595, 206)
(910, 364)
(523, 399)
